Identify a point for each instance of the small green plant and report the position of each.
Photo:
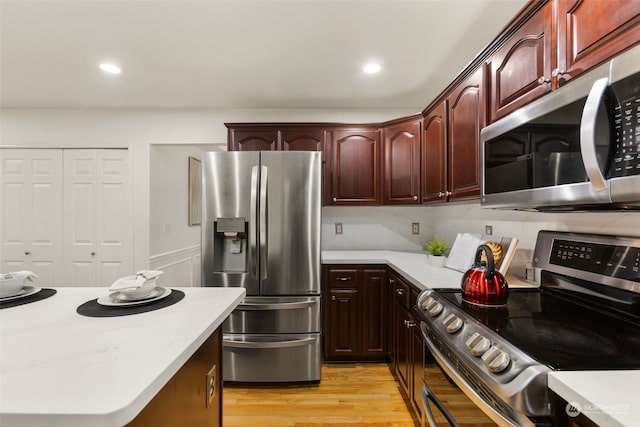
(436, 246)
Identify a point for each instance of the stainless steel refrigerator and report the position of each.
(261, 231)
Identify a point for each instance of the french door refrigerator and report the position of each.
(261, 220)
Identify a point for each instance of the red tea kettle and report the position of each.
(482, 285)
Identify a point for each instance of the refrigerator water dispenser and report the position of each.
(230, 242)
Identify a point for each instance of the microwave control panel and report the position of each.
(626, 159)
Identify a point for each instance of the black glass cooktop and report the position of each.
(559, 331)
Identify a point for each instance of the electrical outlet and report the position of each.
(415, 228)
(488, 229)
(338, 228)
(210, 386)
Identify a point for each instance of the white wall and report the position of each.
(390, 227)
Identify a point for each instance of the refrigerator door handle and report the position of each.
(269, 344)
(276, 306)
(263, 222)
(253, 232)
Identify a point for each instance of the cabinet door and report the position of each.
(401, 182)
(31, 217)
(592, 31)
(403, 355)
(253, 139)
(355, 161)
(466, 118)
(343, 324)
(520, 71)
(374, 313)
(434, 155)
(302, 139)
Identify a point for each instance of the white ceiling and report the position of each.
(239, 53)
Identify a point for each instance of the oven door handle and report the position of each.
(491, 412)
(427, 395)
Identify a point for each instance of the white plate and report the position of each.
(115, 299)
(24, 292)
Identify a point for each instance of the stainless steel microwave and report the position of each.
(577, 148)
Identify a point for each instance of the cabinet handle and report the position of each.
(410, 323)
(542, 80)
(27, 253)
(415, 197)
(335, 200)
(333, 297)
(400, 291)
(441, 194)
(93, 253)
(344, 279)
(557, 73)
(392, 281)
(448, 193)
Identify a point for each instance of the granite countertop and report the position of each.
(58, 368)
(413, 266)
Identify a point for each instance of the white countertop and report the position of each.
(608, 398)
(58, 368)
(412, 266)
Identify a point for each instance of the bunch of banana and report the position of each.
(496, 251)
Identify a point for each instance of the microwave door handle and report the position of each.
(588, 134)
(253, 218)
(263, 222)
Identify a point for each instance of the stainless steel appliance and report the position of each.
(584, 316)
(576, 148)
(261, 231)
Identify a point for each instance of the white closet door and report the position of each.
(97, 217)
(31, 221)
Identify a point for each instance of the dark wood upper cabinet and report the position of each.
(465, 119)
(434, 154)
(560, 41)
(304, 139)
(592, 31)
(253, 139)
(355, 162)
(401, 158)
(520, 71)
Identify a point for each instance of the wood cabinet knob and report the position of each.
(542, 80)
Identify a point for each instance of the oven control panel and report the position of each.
(622, 262)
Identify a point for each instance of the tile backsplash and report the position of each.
(389, 227)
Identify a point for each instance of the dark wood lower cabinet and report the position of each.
(355, 313)
(370, 316)
(193, 396)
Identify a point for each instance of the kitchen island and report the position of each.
(59, 368)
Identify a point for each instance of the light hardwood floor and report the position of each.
(348, 395)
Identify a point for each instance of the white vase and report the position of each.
(436, 261)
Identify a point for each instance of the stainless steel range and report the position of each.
(584, 316)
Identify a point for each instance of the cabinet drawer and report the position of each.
(401, 291)
(346, 278)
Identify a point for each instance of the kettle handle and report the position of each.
(490, 270)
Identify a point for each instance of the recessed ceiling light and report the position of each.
(110, 68)
(372, 68)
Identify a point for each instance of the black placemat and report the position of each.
(38, 296)
(93, 309)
